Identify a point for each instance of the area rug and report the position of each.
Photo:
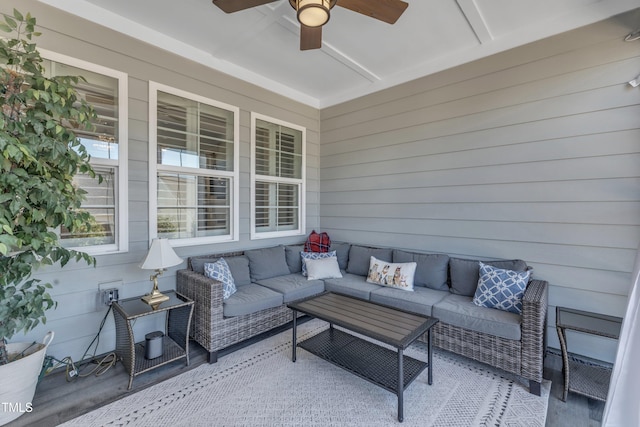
(260, 386)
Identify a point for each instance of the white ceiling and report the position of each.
(359, 55)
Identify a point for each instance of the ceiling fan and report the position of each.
(313, 14)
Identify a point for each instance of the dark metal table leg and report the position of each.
(295, 326)
(430, 350)
(400, 390)
(565, 361)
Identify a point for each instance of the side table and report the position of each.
(177, 311)
(587, 380)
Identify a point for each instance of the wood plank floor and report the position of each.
(57, 400)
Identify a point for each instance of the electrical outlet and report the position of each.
(108, 292)
(110, 295)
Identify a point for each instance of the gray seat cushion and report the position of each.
(293, 286)
(360, 257)
(250, 299)
(266, 263)
(351, 284)
(420, 301)
(459, 310)
(432, 270)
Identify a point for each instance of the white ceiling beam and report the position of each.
(293, 26)
(474, 17)
(330, 50)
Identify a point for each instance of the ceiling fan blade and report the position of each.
(385, 10)
(231, 6)
(310, 37)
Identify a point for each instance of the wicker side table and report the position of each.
(587, 380)
(177, 311)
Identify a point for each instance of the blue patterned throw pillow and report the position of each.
(219, 271)
(501, 289)
(314, 255)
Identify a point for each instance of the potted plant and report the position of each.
(39, 156)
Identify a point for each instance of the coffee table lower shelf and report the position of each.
(363, 358)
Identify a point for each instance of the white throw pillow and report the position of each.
(394, 275)
(323, 268)
(314, 255)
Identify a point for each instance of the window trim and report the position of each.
(301, 230)
(121, 244)
(234, 235)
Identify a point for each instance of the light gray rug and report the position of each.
(260, 386)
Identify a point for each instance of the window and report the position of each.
(106, 90)
(278, 178)
(194, 167)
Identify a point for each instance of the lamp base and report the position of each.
(155, 298)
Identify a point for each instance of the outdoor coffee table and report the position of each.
(370, 361)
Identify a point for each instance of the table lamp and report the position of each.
(160, 257)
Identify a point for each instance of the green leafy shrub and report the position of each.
(40, 154)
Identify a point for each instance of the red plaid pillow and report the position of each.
(317, 242)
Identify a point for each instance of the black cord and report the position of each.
(72, 372)
(103, 364)
(96, 339)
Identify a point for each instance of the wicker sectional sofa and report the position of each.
(268, 279)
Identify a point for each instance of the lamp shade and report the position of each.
(161, 255)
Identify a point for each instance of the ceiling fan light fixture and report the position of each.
(313, 13)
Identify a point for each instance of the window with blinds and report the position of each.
(103, 144)
(195, 149)
(101, 203)
(101, 92)
(278, 178)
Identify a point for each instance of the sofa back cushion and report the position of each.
(360, 256)
(431, 271)
(238, 265)
(342, 252)
(292, 254)
(465, 273)
(266, 263)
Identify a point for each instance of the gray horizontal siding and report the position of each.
(533, 153)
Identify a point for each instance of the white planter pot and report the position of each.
(18, 379)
